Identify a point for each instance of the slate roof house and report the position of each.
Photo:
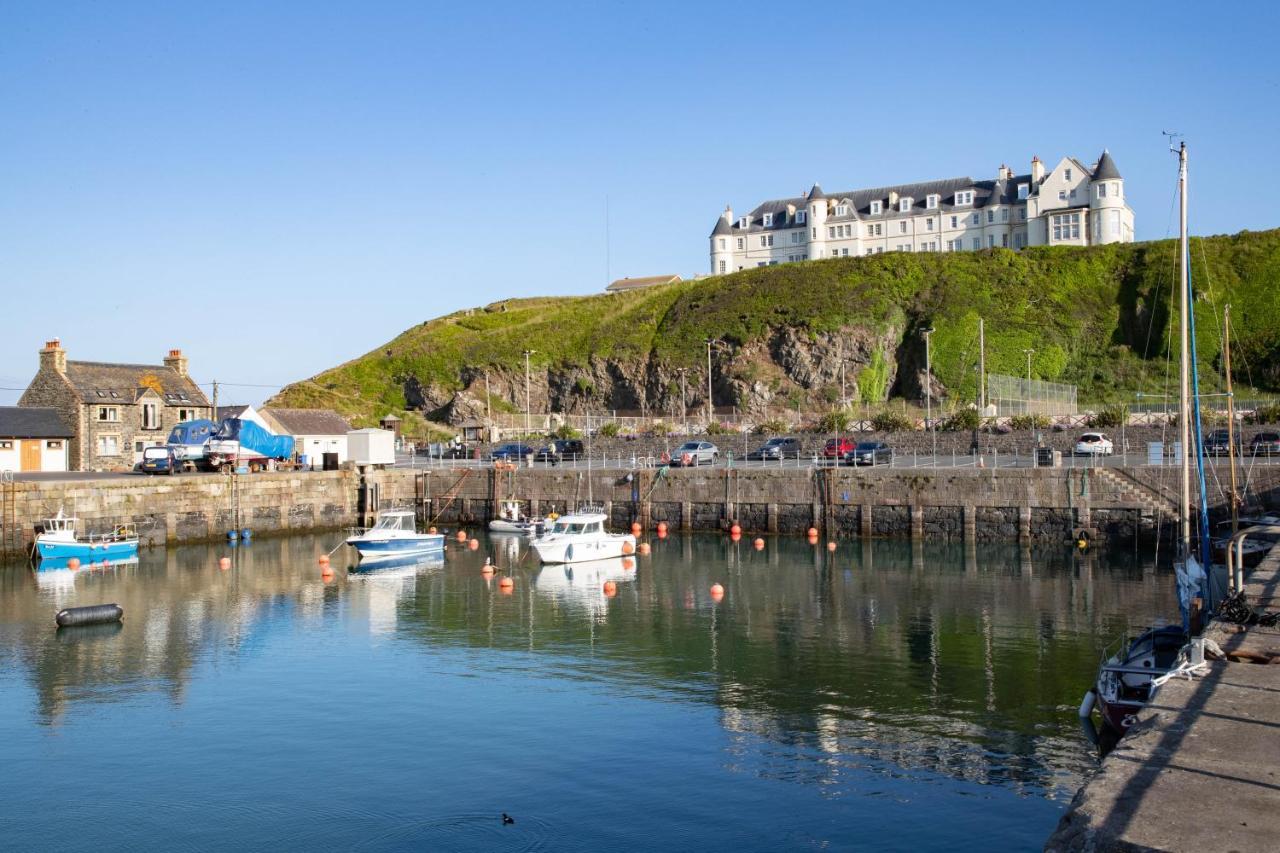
(1073, 204)
(33, 439)
(114, 410)
(315, 431)
(624, 284)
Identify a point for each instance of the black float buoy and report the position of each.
(94, 614)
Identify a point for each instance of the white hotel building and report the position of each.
(1072, 205)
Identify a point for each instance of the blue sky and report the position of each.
(276, 188)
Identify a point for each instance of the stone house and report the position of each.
(114, 410)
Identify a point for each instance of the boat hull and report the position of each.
(582, 550)
(389, 548)
(124, 549)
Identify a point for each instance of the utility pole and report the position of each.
(982, 366)
(488, 410)
(684, 406)
(1029, 352)
(1231, 419)
(710, 409)
(928, 389)
(841, 357)
(215, 402)
(527, 429)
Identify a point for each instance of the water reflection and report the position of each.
(883, 660)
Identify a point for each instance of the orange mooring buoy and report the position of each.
(506, 583)
(74, 563)
(322, 560)
(610, 588)
(462, 536)
(662, 527)
(635, 528)
(735, 529)
(717, 591)
(628, 563)
(644, 547)
(759, 543)
(813, 532)
(627, 547)
(473, 544)
(224, 563)
(831, 546)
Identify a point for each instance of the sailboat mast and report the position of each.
(1231, 419)
(1184, 370)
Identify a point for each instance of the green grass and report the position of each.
(1098, 318)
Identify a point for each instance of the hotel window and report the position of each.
(955, 222)
(722, 267)
(1066, 226)
(768, 220)
(842, 210)
(875, 208)
(902, 227)
(931, 201)
(108, 445)
(1022, 214)
(1004, 214)
(1067, 174)
(965, 197)
(150, 416)
(744, 222)
(1114, 217)
(1115, 189)
(879, 229)
(991, 241)
(1073, 195)
(795, 237)
(1004, 241)
(722, 244)
(977, 244)
(1102, 190)
(1062, 195)
(928, 223)
(800, 215)
(991, 216)
(1023, 190)
(904, 205)
(975, 219)
(108, 413)
(740, 244)
(831, 232)
(844, 252)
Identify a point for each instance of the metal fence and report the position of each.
(1013, 395)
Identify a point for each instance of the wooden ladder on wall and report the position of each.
(451, 493)
(10, 535)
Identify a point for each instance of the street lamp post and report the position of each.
(1029, 352)
(527, 406)
(928, 389)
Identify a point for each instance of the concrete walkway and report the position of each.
(1200, 771)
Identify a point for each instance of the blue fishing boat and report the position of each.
(57, 539)
(395, 534)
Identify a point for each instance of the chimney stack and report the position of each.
(176, 360)
(1005, 172)
(1037, 170)
(53, 356)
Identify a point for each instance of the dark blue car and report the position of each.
(159, 460)
(511, 452)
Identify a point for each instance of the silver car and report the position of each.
(694, 453)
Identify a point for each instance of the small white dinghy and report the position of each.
(511, 519)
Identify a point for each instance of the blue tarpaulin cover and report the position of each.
(254, 438)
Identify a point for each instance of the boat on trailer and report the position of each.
(580, 536)
(394, 535)
(58, 540)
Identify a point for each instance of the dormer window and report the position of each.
(1023, 190)
(800, 217)
(875, 208)
(768, 220)
(744, 222)
(931, 201)
(964, 197)
(904, 205)
(842, 210)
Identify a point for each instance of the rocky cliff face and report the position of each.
(757, 378)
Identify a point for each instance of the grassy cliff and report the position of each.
(1099, 318)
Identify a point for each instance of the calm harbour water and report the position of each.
(885, 697)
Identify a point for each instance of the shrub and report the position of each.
(1032, 421)
(610, 429)
(891, 422)
(1109, 418)
(717, 428)
(834, 422)
(964, 420)
(773, 426)
(660, 428)
(566, 431)
(1265, 414)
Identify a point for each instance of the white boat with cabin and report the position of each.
(580, 536)
(511, 519)
(395, 534)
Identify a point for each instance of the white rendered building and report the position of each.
(1072, 205)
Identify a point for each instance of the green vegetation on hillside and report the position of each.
(1098, 317)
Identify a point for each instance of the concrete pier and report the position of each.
(1200, 770)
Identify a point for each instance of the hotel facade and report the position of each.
(1071, 205)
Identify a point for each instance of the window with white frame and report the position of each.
(1102, 190)
(796, 237)
(1114, 218)
(1067, 174)
(976, 243)
(904, 205)
(768, 220)
(991, 241)
(1022, 214)
(800, 217)
(722, 267)
(740, 244)
(879, 229)
(1066, 226)
(1072, 195)
(109, 414)
(902, 227)
(931, 201)
(964, 197)
(722, 244)
(108, 445)
(845, 252)
(1062, 195)
(53, 444)
(842, 210)
(6, 445)
(1004, 214)
(744, 222)
(1115, 189)
(875, 208)
(831, 232)
(991, 216)
(150, 416)
(1023, 191)
(975, 219)
(928, 223)
(955, 222)
(1004, 241)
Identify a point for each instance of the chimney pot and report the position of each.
(54, 356)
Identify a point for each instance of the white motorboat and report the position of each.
(511, 519)
(585, 583)
(395, 534)
(581, 536)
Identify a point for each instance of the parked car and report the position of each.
(511, 452)
(838, 448)
(561, 450)
(160, 460)
(695, 453)
(1265, 444)
(1094, 444)
(777, 448)
(1216, 443)
(870, 453)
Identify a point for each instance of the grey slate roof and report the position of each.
(637, 283)
(309, 421)
(32, 422)
(815, 192)
(100, 382)
(1106, 169)
(722, 227)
